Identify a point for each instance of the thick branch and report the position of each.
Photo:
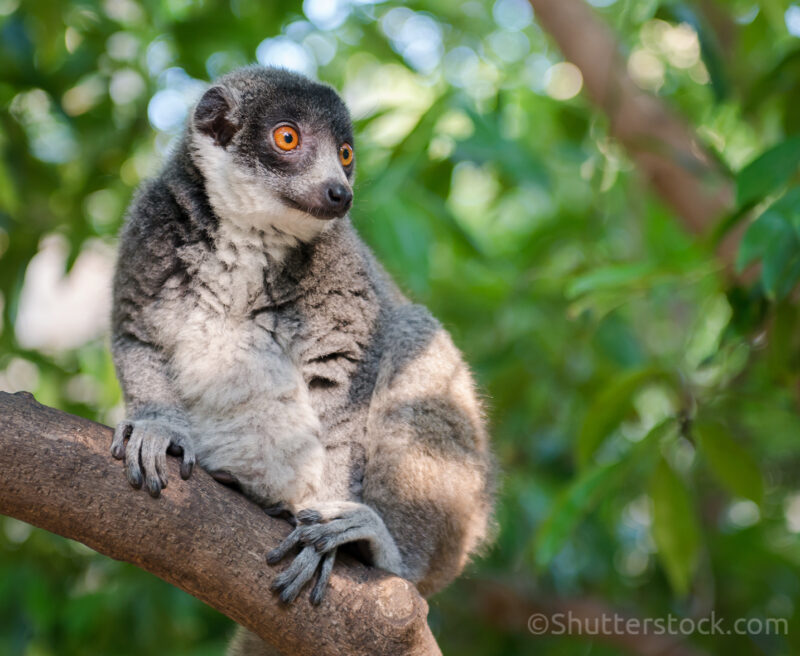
(665, 149)
(56, 473)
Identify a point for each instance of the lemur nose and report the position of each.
(339, 196)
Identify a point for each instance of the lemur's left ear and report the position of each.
(214, 115)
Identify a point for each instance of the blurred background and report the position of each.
(643, 389)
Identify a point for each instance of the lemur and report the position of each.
(254, 333)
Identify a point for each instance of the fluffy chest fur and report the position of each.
(221, 358)
(275, 357)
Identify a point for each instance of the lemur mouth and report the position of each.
(322, 213)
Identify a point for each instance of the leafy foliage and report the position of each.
(675, 527)
(644, 407)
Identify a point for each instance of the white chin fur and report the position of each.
(240, 197)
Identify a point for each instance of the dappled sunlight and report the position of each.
(59, 311)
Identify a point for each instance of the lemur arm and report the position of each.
(155, 421)
(427, 479)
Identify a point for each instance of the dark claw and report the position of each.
(187, 467)
(317, 593)
(280, 582)
(154, 487)
(277, 554)
(135, 478)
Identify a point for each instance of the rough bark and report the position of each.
(56, 473)
(664, 147)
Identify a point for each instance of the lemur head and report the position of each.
(275, 149)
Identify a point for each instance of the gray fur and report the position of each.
(254, 331)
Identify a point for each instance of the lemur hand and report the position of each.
(320, 532)
(145, 455)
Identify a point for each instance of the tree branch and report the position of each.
(664, 147)
(56, 473)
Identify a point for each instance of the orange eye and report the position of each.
(286, 137)
(345, 154)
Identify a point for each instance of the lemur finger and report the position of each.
(327, 511)
(300, 562)
(122, 433)
(332, 540)
(314, 532)
(278, 553)
(321, 584)
(154, 463)
(133, 468)
(290, 582)
(161, 467)
(187, 463)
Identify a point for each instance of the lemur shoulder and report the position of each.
(254, 333)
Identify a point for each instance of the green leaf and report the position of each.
(583, 494)
(675, 528)
(766, 230)
(781, 268)
(609, 408)
(577, 500)
(733, 467)
(768, 171)
(774, 237)
(610, 277)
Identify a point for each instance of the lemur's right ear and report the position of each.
(214, 115)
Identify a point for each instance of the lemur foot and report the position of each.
(322, 530)
(291, 581)
(148, 441)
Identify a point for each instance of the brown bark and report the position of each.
(56, 472)
(665, 149)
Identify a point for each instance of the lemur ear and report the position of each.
(214, 115)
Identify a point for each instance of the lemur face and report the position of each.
(276, 151)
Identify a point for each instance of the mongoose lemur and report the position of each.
(256, 334)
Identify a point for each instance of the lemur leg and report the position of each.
(156, 423)
(428, 468)
(427, 476)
